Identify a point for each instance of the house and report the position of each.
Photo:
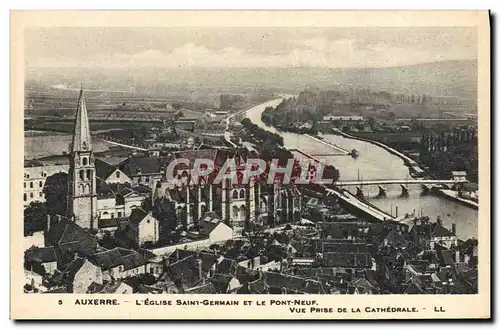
(35, 239)
(213, 228)
(290, 284)
(117, 200)
(155, 265)
(459, 176)
(69, 239)
(35, 177)
(362, 286)
(144, 169)
(114, 287)
(208, 262)
(186, 273)
(80, 274)
(119, 263)
(426, 234)
(38, 258)
(468, 191)
(224, 283)
(109, 173)
(33, 281)
(342, 118)
(140, 229)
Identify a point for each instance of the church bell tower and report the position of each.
(82, 194)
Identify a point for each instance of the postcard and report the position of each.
(250, 165)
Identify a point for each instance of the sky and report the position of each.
(245, 47)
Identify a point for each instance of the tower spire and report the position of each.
(81, 137)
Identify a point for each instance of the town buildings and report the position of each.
(35, 176)
(231, 237)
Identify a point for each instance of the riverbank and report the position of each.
(415, 170)
(453, 195)
(338, 148)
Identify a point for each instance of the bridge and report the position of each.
(396, 181)
(359, 205)
(427, 185)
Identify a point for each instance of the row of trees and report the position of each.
(269, 140)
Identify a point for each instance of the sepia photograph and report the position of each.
(186, 166)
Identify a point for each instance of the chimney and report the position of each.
(256, 261)
(48, 222)
(439, 221)
(454, 229)
(200, 271)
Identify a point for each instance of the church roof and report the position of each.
(103, 169)
(141, 165)
(81, 137)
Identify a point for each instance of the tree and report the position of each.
(179, 115)
(372, 122)
(164, 211)
(147, 204)
(56, 194)
(35, 218)
(177, 106)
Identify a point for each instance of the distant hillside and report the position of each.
(450, 78)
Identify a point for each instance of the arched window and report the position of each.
(82, 174)
(242, 194)
(235, 212)
(25, 197)
(82, 188)
(243, 212)
(263, 207)
(89, 174)
(87, 188)
(40, 184)
(235, 194)
(31, 184)
(31, 195)
(84, 161)
(117, 174)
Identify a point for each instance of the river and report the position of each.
(372, 163)
(376, 163)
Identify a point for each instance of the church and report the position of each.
(100, 195)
